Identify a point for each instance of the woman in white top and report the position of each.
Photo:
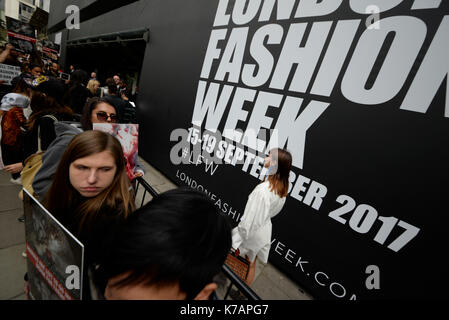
(252, 237)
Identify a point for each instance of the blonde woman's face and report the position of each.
(92, 174)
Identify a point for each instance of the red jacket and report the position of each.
(11, 123)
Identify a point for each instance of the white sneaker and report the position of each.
(16, 181)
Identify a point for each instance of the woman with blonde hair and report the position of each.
(93, 86)
(252, 236)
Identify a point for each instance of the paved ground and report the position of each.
(269, 284)
(12, 241)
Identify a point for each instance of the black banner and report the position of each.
(355, 90)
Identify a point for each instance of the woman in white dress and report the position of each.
(252, 236)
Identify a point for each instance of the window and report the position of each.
(25, 10)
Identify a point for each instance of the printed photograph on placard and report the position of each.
(128, 135)
(21, 35)
(21, 45)
(51, 45)
(20, 27)
(50, 51)
(55, 256)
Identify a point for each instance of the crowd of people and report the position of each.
(35, 94)
(171, 248)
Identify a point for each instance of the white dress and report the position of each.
(253, 234)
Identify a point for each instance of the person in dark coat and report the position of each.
(77, 93)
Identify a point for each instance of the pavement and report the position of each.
(269, 284)
(12, 241)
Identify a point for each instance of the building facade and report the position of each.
(23, 9)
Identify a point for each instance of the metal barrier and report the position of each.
(235, 280)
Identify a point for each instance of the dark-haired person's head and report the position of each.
(52, 88)
(98, 110)
(170, 249)
(112, 86)
(20, 86)
(92, 175)
(35, 70)
(47, 99)
(79, 77)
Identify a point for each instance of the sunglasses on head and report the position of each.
(103, 116)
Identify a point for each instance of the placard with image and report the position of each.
(128, 135)
(55, 256)
(21, 35)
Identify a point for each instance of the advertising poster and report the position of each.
(55, 256)
(128, 135)
(21, 35)
(357, 91)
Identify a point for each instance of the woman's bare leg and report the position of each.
(251, 272)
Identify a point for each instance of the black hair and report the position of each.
(112, 87)
(180, 237)
(35, 65)
(78, 77)
(20, 85)
(91, 104)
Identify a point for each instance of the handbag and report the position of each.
(238, 264)
(32, 164)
